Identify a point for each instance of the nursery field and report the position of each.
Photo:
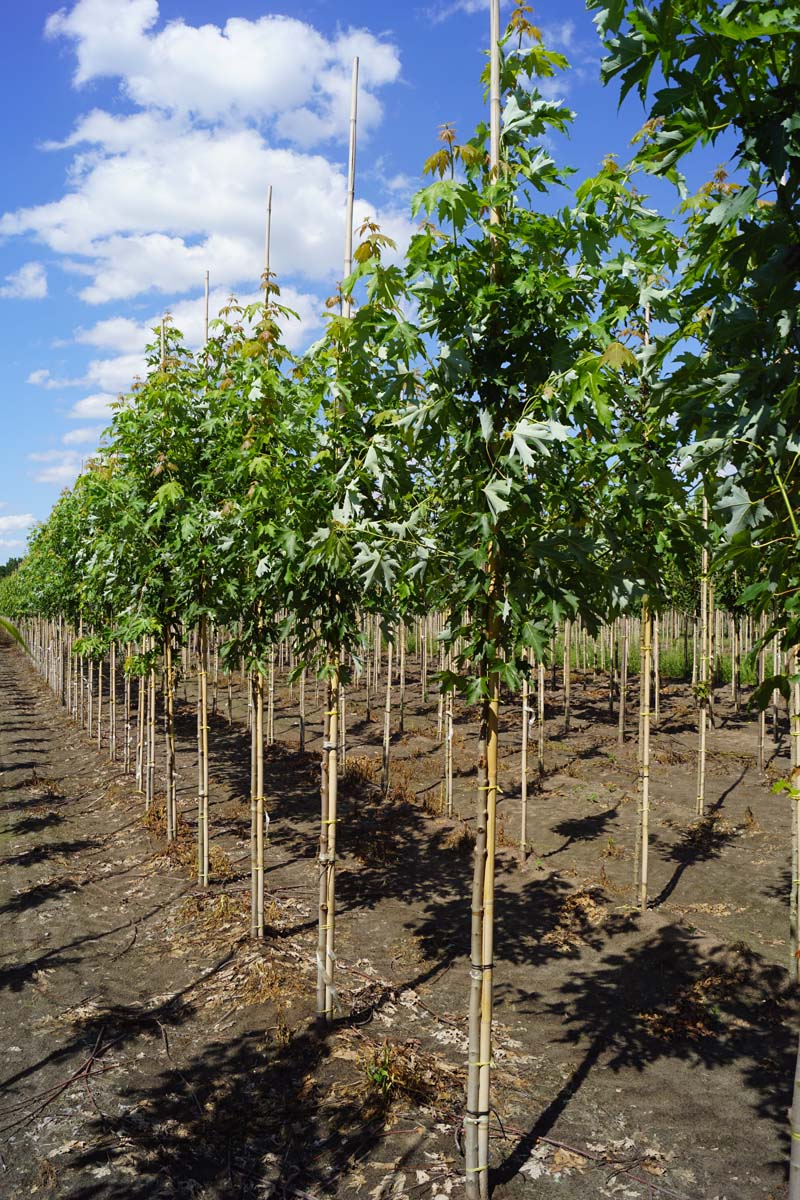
(151, 1048)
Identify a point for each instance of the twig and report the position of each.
(129, 946)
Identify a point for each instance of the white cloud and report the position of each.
(261, 70)
(442, 11)
(58, 466)
(12, 543)
(85, 435)
(93, 408)
(129, 337)
(560, 36)
(156, 206)
(28, 283)
(43, 378)
(16, 521)
(115, 374)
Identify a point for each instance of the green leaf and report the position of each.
(13, 632)
(619, 357)
(496, 493)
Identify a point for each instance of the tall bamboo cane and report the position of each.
(482, 938)
(704, 682)
(326, 955)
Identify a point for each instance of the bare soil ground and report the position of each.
(149, 1049)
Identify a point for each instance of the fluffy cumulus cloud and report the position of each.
(171, 182)
(59, 467)
(450, 8)
(86, 435)
(28, 283)
(15, 522)
(96, 407)
(276, 69)
(157, 195)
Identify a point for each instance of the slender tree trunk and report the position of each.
(90, 697)
(342, 755)
(645, 757)
(402, 635)
(202, 763)
(99, 703)
(169, 725)
(487, 939)
(251, 690)
(540, 721)
(762, 713)
(656, 670)
(623, 683)
(448, 755)
(567, 673)
(151, 735)
(271, 699)
(794, 794)
(326, 957)
(794, 1130)
(112, 703)
(387, 719)
(259, 839)
(302, 710)
(472, 1119)
(141, 728)
(704, 682)
(523, 770)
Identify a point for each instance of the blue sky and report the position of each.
(140, 139)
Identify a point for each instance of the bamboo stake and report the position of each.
(567, 672)
(402, 635)
(259, 839)
(794, 1128)
(623, 681)
(202, 797)
(387, 719)
(482, 957)
(645, 754)
(762, 713)
(251, 688)
(99, 703)
(523, 770)
(151, 733)
(656, 669)
(540, 720)
(448, 754)
(794, 796)
(169, 728)
(326, 940)
(703, 677)
(351, 184)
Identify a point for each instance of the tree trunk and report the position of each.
(703, 681)
(169, 727)
(623, 682)
(326, 958)
(202, 762)
(645, 757)
(523, 770)
(567, 673)
(387, 717)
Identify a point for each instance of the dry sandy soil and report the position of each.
(149, 1049)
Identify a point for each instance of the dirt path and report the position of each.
(149, 1050)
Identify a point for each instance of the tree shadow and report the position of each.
(36, 824)
(666, 999)
(37, 895)
(702, 841)
(583, 829)
(39, 854)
